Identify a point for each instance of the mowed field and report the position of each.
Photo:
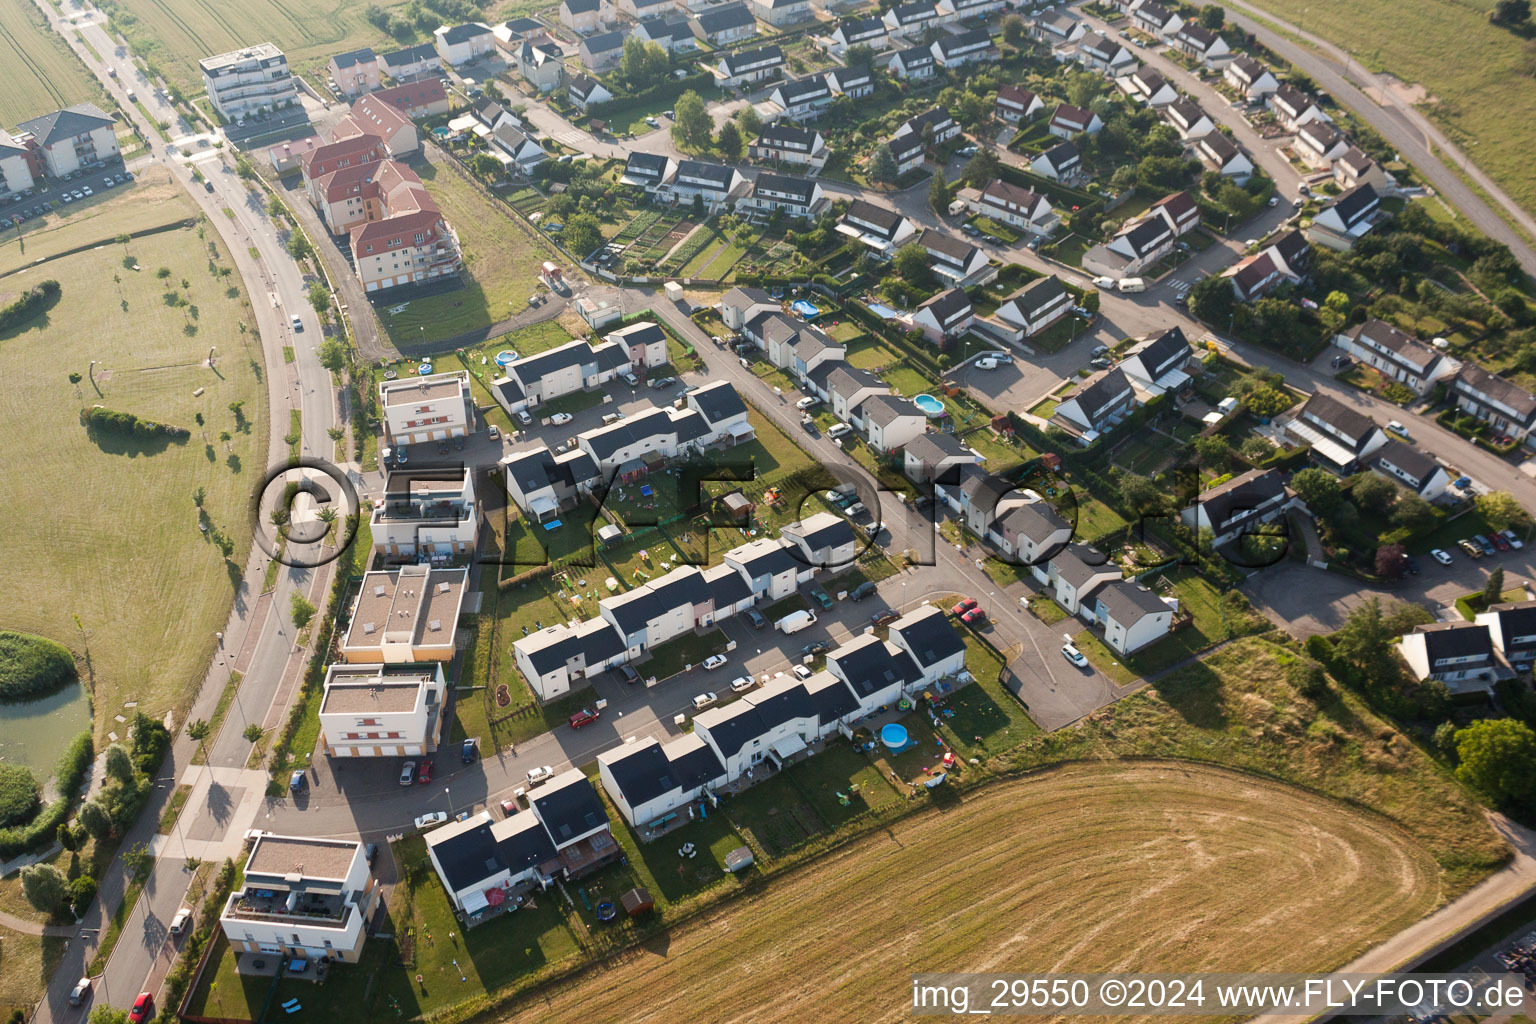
(41, 74)
(105, 531)
(1479, 76)
(155, 200)
(1142, 867)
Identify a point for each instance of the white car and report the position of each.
(524, 418)
(559, 419)
(297, 324)
(1104, 282)
(985, 363)
(1514, 542)
(1071, 653)
(704, 700)
(78, 993)
(741, 683)
(431, 819)
(1394, 427)
(801, 672)
(540, 774)
(1441, 556)
(179, 922)
(806, 402)
(714, 661)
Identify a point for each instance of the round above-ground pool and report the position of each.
(424, 369)
(805, 309)
(932, 407)
(894, 735)
(506, 357)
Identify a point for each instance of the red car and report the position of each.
(1499, 541)
(425, 775)
(974, 617)
(963, 606)
(141, 1007)
(586, 716)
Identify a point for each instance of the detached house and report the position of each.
(584, 90)
(1507, 408)
(1347, 219)
(934, 126)
(1062, 162)
(792, 145)
(1397, 354)
(908, 151)
(1138, 246)
(1208, 47)
(1036, 306)
(1105, 55)
(741, 305)
(542, 65)
(1015, 104)
(1131, 615)
(890, 422)
(721, 26)
(602, 50)
(1414, 469)
(545, 485)
(915, 63)
(1220, 154)
(1512, 628)
(1074, 574)
(927, 457)
(1019, 207)
(953, 51)
(1319, 144)
(1341, 439)
(1068, 121)
(1283, 261)
(1098, 406)
(801, 198)
(1157, 20)
(1148, 86)
(1456, 653)
(946, 315)
(853, 81)
(716, 184)
(1158, 365)
(957, 260)
(910, 19)
(1055, 26)
(748, 66)
(880, 229)
(1250, 78)
(1188, 119)
(355, 72)
(1293, 108)
(463, 44)
(1353, 167)
(870, 32)
(804, 99)
(1029, 533)
(1239, 505)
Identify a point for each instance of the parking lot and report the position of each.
(56, 196)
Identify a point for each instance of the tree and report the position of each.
(302, 610)
(911, 262)
(691, 126)
(1318, 488)
(1214, 451)
(1414, 514)
(274, 207)
(860, 53)
(1498, 758)
(1501, 511)
(981, 169)
(1213, 17)
(198, 731)
(583, 234)
(320, 299)
(81, 891)
(1013, 30)
(1373, 495)
(751, 122)
(1141, 494)
(1510, 13)
(1362, 640)
(728, 141)
(332, 354)
(119, 765)
(103, 1014)
(1493, 587)
(45, 887)
(882, 165)
(643, 63)
(67, 837)
(299, 247)
(1211, 299)
(938, 194)
(253, 733)
(1391, 561)
(138, 862)
(95, 819)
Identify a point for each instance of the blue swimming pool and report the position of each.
(932, 407)
(894, 736)
(805, 309)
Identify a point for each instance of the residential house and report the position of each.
(302, 899)
(870, 32)
(420, 409)
(1131, 615)
(779, 13)
(252, 80)
(545, 485)
(977, 496)
(1413, 468)
(355, 72)
(639, 10)
(1148, 86)
(671, 31)
(426, 512)
(1157, 365)
(1353, 167)
(1179, 211)
(890, 422)
(458, 45)
(794, 345)
(908, 151)
(1251, 78)
(1055, 26)
(542, 65)
(554, 658)
(1293, 108)
(1240, 504)
(1157, 21)
(1206, 46)
(1347, 219)
(602, 50)
(648, 780)
(1029, 533)
(661, 433)
(518, 147)
(1283, 261)
(15, 167)
(1098, 406)
(1341, 438)
(584, 90)
(1068, 122)
(1019, 207)
(1512, 628)
(1137, 246)
(650, 171)
(66, 141)
(1456, 653)
(1220, 154)
(412, 63)
(1103, 54)
(953, 51)
(1398, 355)
(1036, 306)
(880, 229)
(408, 614)
(1015, 104)
(931, 641)
(716, 184)
(1509, 409)
(724, 411)
(954, 259)
(1188, 119)
(962, 10)
(382, 710)
(946, 315)
(424, 98)
(853, 81)
(912, 64)
(722, 26)
(910, 20)
(1074, 573)
(801, 198)
(748, 66)
(286, 157)
(824, 540)
(581, 366)
(771, 570)
(587, 17)
(848, 386)
(1319, 144)
(929, 456)
(1062, 162)
(803, 99)
(519, 30)
(934, 126)
(792, 145)
(742, 304)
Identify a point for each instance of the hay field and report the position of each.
(1148, 866)
(1479, 76)
(41, 74)
(106, 528)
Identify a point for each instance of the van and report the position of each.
(957, 207)
(1133, 284)
(839, 431)
(794, 622)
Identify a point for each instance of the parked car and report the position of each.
(1071, 653)
(495, 432)
(820, 597)
(431, 819)
(1443, 557)
(508, 808)
(1470, 547)
(801, 672)
(817, 647)
(884, 618)
(370, 852)
(863, 590)
(755, 618)
(704, 700)
(296, 323)
(1413, 566)
(586, 716)
(141, 1007)
(297, 782)
(627, 675)
(408, 773)
(714, 661)
(1499, 541)
(424, 773)
(856, 509)
(1514, 541)
(540, 774)
(741, 683)
(179, 922)
(1101, 363)
(1484, 543)
(806, 402)
(631, 380)
(974, 617)
(523, 417)
(78, 993)
(560, 419)
(963, 606)
(1394, 427)
(1104, 282)
(809, 426)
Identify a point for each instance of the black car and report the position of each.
(863, 590)
(628, 675)
(1413, 566)
(809, 426)
(817, 647)
(755, 618)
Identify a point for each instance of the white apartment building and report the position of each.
(405, 615)
(382, 710)
(68, 139)
(431, 408)
(426, 512)
(302, 898)
(244, 82)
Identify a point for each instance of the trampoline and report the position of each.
(895, 737)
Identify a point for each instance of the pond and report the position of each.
(35, 732)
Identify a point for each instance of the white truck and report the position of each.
(1133, 284)
(794, 622)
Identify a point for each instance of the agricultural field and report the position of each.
(1488, 99)
(1200, 851)
(114, 508)
(42, 74)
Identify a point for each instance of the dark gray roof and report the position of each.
(696, 767)
(688, 426)
(569, 811)
(643, 773)
(602, 42)
(582, 85)
(1346, 425)
(1292, 98)
(1407, 459)
(1145, 235)
(847, 381)
(646, 165)
(410, 55)
(1079, 563)
(1040, 293)
(716, 175)
(833, 701)
(470, 857)
(726, 586)
(66, 123)
(718, 401)
(1497, 388)
(876, 216)
(1443, 640)
(786, 705)
(580, 6)
(886, 409)
(1243, 495)
(935, 447)
(787, 136)
(1168, 351)
(354, 57)
(739, 725)
(745, 58)
(1063, 154)
(908, 14)
(799, 190)
(1293, 247)
(468, 30)
(868, 27)
(527, 847)
(930, 637)
(1128, 602)
(803, 88)
(965, 40)
(915, 57)
(833, 534)
(948, 304)
(868, 665)
(1102, 394)
(1517, 625)
(947, 247)
(1036, 521)
(772, 562)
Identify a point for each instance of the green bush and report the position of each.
(129, 425)
(31, 666)
(18, 794)
(29, 304)
(43, 828)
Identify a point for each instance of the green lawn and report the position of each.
(135, 519)
(671, 657)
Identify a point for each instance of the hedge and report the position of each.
(31, 666)
(42, 829)
(129, 425)
(28, 305)
(18, 794)
(670, 89)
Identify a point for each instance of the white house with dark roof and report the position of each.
(946, 315)
(648, 780)
(782, 12)
(412, 63)
(1103, 54)
(71, 139)
(586, 17)
(1293, 108)
(1157, 20)
(1062, 162)
(544, 485)
(716, 184)
(643, 9)
(724, 411)
(1130, 615)
(748, 66)
(853, 81)
(847, 388)
(1220, 154)
(1029, 533)
(584, 90)
(355, 72)
(1318, 144)
(954, 51)
(1055, 26)
(463, 44)
(880, 229)
(1015, 103)
(1341, 438)
(670, 31)
(1188, 119)
(1254, 276)
(1147, 85)
(931, 641)
(912, 64)
(1512, 628)
(959, 10)
(1347, 219)
(928, 456)
(722, 26)
(824, 540)
(1459, 654)
(801, 198)
(1398, 355)
(1237, 506)
(1179, 211)
(1099, 405)
(1353, 167)
(1020, 207)
(908, 151)
(1137, 246)
(954, 259)
(1414, 468)
(1199, 42)
(742, 304)
(910, 19)
(1159, 363)
(933, 126)
(1251, 78)
(1074, 573)
(1036, 306)
(1068, 121)
(870, 32)
(1508, 408)
(890, 422)
(803, 99)
(790, 144)
(650, 171)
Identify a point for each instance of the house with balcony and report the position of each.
(1036, 306)
(302, 899)
(1347, 219)
(15, 167)
(1512, 628)
(876, 227)
(1240, 504)
(431, 408)
(426, 512)
(382, 710)
(252, 80)
(1159, 364)
(792, 145)
(64, 142)
(403, 615)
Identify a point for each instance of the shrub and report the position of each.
(43, 828)
(28, 304)
(18, 794)
(31, 666)
(129, 425)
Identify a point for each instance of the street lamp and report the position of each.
(450, 801)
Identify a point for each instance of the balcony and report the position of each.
(278, 906)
